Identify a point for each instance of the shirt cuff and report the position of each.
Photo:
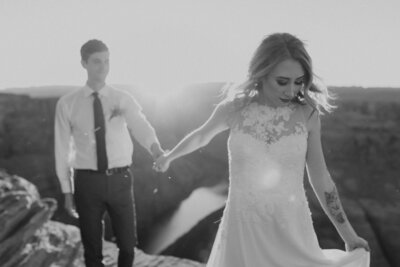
(149, 142)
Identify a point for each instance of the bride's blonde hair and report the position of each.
(274, 49)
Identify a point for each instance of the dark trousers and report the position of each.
(96, 193)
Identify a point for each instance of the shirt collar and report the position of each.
(87, 91)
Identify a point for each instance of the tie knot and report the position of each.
(95, 94)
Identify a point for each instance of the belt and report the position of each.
(107, 172)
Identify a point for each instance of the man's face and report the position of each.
(97, 66)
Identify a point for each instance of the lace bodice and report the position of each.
(267, 148)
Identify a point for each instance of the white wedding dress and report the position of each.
(267, 221)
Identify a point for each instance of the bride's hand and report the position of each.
(162, 163)
(357, 242)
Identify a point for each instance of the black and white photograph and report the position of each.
(188, 133)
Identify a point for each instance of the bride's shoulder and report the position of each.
(226, 106)
(310, 115)
(236, 104)
(307, 110)
(230, 109)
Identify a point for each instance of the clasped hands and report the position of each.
(161, 164)
(159, 155)
(161, 159)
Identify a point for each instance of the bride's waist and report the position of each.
(266, 172)
(266, 185)
(275, 205)
(248, 195)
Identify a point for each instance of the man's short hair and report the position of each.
(91, 47)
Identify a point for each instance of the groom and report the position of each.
(92, 126)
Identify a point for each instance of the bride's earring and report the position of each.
(256, 88)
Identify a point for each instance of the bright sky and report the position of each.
(167, 43)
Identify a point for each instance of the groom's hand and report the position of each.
(69, 205)
(156, 151)
(162, 163)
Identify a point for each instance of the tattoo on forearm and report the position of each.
(334, 206)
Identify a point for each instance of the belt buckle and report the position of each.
(109, 172)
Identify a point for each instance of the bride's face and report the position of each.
(283, 83)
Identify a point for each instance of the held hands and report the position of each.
(162, 163)
(156, 151)
(69, 205)
(357, 242)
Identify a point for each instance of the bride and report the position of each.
(274, 123)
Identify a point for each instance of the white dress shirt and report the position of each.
(75, 141)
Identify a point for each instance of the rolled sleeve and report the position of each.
(138, 125)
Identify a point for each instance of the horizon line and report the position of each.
(183, 85)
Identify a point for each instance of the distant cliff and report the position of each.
(361, 141)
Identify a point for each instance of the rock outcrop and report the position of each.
(27, 237)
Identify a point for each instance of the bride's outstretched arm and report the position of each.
(325, 188)
(200, 137)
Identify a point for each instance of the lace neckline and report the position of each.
(278, 109)
(269, 124)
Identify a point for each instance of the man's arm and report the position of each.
(141, 129)
(62, 139)
(156, 150)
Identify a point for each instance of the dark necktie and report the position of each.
(100, 133)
